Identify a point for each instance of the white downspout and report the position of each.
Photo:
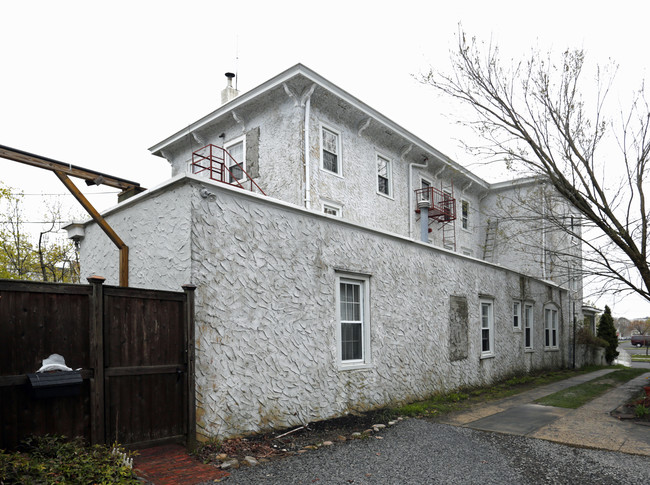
(307, 161)
(410, 190)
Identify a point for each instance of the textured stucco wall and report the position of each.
(275, 124)
(266, 317)
(524, 234)
(356, 190)
(278, 123)
(156, 228)
(266, 323)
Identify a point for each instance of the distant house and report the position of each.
(297, 210)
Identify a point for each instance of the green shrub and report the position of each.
(607, 331)
(584, 336)
(641, 411)
(53, 460)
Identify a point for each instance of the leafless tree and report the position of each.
(535, 116)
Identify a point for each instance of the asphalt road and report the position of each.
(420, 452)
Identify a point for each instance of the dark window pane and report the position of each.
(330, 162)
(236, 173)
(383, 184)
(554, 338)
(485, 340)
(351, 340)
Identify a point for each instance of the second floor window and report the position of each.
(464, 214)
(237, 164)
(331, 151)
(384, 176)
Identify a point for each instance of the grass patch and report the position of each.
(576, 396)
(459, 399)
(52, 459)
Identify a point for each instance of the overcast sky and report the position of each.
(96, 84)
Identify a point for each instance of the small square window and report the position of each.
(332, 210)
(384, 176)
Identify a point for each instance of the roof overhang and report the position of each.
(301, 70)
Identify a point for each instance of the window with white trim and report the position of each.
(528, 327)
(550, 328)
(487, 328)
(425, 184)
(516, 315)
(331, 209)
(384, 176)
(236, 163)
(330, 151)
(464, 214)
(352, 297)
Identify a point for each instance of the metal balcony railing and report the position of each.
(442, 206)
(217, 164)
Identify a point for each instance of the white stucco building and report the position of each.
(315, 293)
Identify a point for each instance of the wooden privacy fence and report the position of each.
(135, 348)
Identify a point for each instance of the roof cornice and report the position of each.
(300, 69)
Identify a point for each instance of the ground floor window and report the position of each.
(516, 315)
(550, 328)
(528, 327)
(487, 328)
(353, 317)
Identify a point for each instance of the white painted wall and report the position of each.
(265, 306)
(156, 227)
(281, 162)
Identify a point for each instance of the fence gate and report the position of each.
(136, 349)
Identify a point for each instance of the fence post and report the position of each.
(97, 408)
(190, 412)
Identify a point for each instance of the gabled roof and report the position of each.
(301, 70)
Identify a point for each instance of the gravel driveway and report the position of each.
(419, 452)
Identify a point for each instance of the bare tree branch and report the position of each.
(534, 116)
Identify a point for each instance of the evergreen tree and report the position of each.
(607, 332)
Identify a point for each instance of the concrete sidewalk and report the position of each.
(589, 426)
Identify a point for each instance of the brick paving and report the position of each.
(171, 465)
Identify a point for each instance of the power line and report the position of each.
(90, 194)
(35, 222)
